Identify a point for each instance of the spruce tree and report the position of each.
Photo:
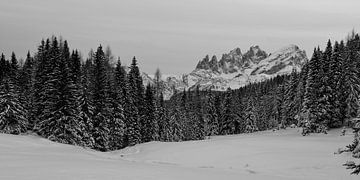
(116, 121)
(311, 104)
(251, 116)
(337, 85)
(46, 94)
(60, 122)
(228, 118)
(200, 120)
(290, 105)
(211, 115)
(99, 98)
(85, 102)
(175, 122)
(136, 97)
(150, 124)
(164, 125)
(12, 111)
(3, 68)
(131, 114)
(26, 85)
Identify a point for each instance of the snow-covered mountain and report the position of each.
(235, 70)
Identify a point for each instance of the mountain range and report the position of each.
(234, 70)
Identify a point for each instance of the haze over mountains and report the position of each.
(234, 69)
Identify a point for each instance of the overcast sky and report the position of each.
(175, 34)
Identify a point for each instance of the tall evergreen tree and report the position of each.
(164, 125)
(85, 102)
(12, 111)
(228, 118)
(338, 86)
(311, 104)
(200, 120)
(211, 115)
(150, 124)
(136, 95)
(62, 123)
(290, 106)
(26, 82)
(3, 67)
(100, 97)
(251, 116)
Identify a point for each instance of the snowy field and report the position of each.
(265, 155)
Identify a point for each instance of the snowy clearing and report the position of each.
(267, 155)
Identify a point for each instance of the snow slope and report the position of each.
(265, 155)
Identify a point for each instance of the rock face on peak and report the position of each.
(235, 70)
(282, 61)
(234, 61)
(204, 64)
(255, 54)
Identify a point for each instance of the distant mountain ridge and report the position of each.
(234, 70)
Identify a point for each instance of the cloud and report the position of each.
(176, 31)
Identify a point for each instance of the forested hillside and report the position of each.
(97, 104)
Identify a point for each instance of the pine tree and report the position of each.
(12, 112)
(116, 122)
(3, 67)
(150, 124)
(188, 123)
(176, 128)
(85, 102)
(99, 96)
(158, 83)
(290, 105)
(136, 96)
(211, 115)
(239, 109)
(75, 66)
(14, 67)
(61, 121)
(352, 84)
(200, 121)
(131, 115)
(218, 108)
(26, 82)
(301, 90)
(117, 103)
(311, 104)
(337, 86)
(164, 125)
(46, 94)
(279, 104)
(228, 118)
(251, 117)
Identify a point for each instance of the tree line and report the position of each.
(87, 103)
(105, 106)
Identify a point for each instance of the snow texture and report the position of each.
(280, 155)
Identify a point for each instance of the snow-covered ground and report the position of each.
(267, 155)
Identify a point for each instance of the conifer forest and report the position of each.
(100, 103)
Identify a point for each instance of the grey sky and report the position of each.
(174, 34)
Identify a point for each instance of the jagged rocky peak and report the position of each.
(204, 63)
(230, 63)
(214, 64)
(235, 70)
(255, 54)
(207, 64)
(235, 52)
